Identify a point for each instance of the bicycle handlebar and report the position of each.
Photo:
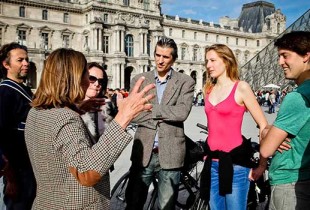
(202, 126)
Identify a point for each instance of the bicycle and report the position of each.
(189, 181)
(259, 192)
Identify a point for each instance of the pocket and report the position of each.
(241, 174)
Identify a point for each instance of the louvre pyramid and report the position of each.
(263, 68)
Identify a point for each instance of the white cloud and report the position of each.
(189, 12)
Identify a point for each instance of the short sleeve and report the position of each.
(293, 113)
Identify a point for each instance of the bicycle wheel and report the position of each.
(189, 186)
(118, 201)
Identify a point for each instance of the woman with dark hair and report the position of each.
(96, 121)
(69, 166)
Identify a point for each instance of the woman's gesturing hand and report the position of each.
(136, 102)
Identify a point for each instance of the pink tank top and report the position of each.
(224, 123)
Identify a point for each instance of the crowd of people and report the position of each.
(59, 144)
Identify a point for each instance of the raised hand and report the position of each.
(136, 102)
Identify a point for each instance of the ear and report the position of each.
(307, 58)
(5, 64)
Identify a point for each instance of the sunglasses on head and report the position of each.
(93, 79)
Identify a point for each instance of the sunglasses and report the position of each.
(93, 79)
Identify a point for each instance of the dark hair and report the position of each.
(296, 41)
(104, 85)
(5, 55)
(167, 42)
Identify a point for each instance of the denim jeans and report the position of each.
(290, 196)
(237, 200)
(140, 179)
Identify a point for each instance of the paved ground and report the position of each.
(197, 115)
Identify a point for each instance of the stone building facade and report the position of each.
(121, 34)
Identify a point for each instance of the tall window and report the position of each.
(22, 37)
(45, 40)
(195, 53)
(126, 2)
(66, 18)
(129, 45)
(86, 18)
(105, 18)
(237, 41)
(105, 44)
(227, 39)
(22, 11)
(246, 42)
(195, 35)
(217, 38)
(170, 31)
(183, 50)
(257, 43)
(86, 43)
(65, 41)
(183, 33)
(206, 37)
(44, 14)
(146, 4)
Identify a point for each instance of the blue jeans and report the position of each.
(140, 179)
(237, 200)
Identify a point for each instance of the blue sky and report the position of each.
(212, 10)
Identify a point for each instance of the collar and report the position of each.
(168, 76)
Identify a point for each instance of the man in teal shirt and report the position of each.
(288, 139)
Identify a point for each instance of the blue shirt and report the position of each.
(160, 88)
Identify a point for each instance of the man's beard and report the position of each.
(22, 76)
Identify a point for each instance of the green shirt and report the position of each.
(294, 118)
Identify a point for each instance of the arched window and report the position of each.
(129, 45)
(170, 31)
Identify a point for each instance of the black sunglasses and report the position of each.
(93, 79)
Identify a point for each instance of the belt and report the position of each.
(155, 150)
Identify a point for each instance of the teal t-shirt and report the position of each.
(294, 118)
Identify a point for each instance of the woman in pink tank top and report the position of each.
(226, 100)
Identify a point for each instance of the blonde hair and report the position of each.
(229, 59)
(61, 78)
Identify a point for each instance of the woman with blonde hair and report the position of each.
(67, 164)
(227, 169)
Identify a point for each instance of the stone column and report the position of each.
(145, 43)
(122, 40)
(122, 76)
(100, 39)
(141, 44)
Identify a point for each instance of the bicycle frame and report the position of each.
(189, 184)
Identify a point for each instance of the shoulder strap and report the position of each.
(16, 87)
